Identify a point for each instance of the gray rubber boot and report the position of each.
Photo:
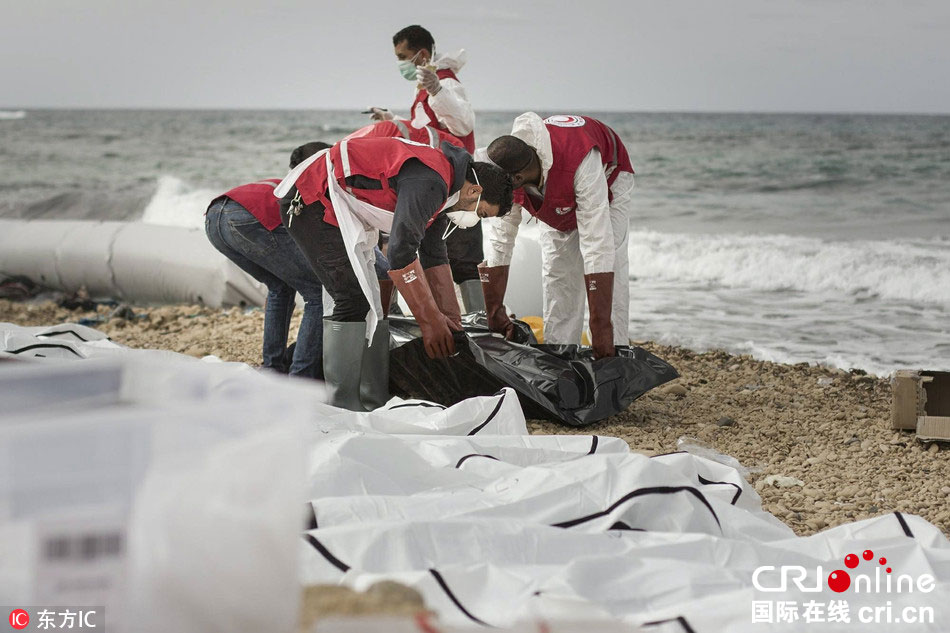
(374, 379)
(472, 296)
(343, 345)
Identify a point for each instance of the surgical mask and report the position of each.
(407, 67)
(463, 219)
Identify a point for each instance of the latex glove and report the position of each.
(381, 114)
(429, 80)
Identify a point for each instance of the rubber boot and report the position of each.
(600, 294)
(494, 281)
(472, 295)
(440, 283)
(343, 345)
(374, 373)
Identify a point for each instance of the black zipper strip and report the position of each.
(640, 492)
(333, 560)
(491, 416)
(735, 497)
(445, 587)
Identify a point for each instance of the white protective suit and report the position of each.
(450, 105)
(599, 244)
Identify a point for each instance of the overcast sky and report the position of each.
(697, 55)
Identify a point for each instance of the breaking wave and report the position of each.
(915, 271)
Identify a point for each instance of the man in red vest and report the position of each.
(244, 225)
(441, 103)
(335, 203)
(573, 174)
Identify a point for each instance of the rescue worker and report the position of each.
(574, 175)
(441, 103)
(244, 225)
(335, 203)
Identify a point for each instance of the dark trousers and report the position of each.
(322, 245)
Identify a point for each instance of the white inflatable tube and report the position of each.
(148, 263)
(130, 261)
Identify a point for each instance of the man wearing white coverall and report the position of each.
(441, 103)
(575, 176)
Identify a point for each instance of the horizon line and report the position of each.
(356, 109)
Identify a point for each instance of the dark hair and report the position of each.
(496, 185)
(510, 153)
(416, 38)
(305, 151)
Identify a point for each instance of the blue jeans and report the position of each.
(272, 258)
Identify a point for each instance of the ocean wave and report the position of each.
(916, 271)
(9, 115)
(174, 203)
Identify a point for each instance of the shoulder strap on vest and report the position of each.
(402, 128)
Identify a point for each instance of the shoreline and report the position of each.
(827, 428)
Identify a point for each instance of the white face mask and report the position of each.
(463, 219)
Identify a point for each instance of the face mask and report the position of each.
(407, 67)
(463, 219)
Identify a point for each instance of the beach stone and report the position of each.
(934, 448)
(675, 390)
(725, 421)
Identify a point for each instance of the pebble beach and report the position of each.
(816, 441)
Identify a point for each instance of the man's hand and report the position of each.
(429, 80)
(381, 114)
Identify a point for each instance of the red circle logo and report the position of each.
(839, 581)
(19, 619)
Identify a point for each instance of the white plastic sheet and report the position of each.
(492, 525)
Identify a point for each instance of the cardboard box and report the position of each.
(922, 402)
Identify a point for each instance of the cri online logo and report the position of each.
(840, 580)
(19, 619)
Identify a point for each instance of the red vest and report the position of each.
(400, 128)
(258, 198)
(572, 138)
(468, 141)
(376, 158)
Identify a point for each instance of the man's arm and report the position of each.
(501, 236)
(432, 250)
(452, 107)
(420, 192)
(593, 215)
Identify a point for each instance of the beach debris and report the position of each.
(122, 312)
(17, 288)
(824, 381)
(782, 481)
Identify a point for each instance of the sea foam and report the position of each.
(916, 271)
(176, 204)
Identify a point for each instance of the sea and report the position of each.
(818, 238)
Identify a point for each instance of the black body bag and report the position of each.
(562, 383)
